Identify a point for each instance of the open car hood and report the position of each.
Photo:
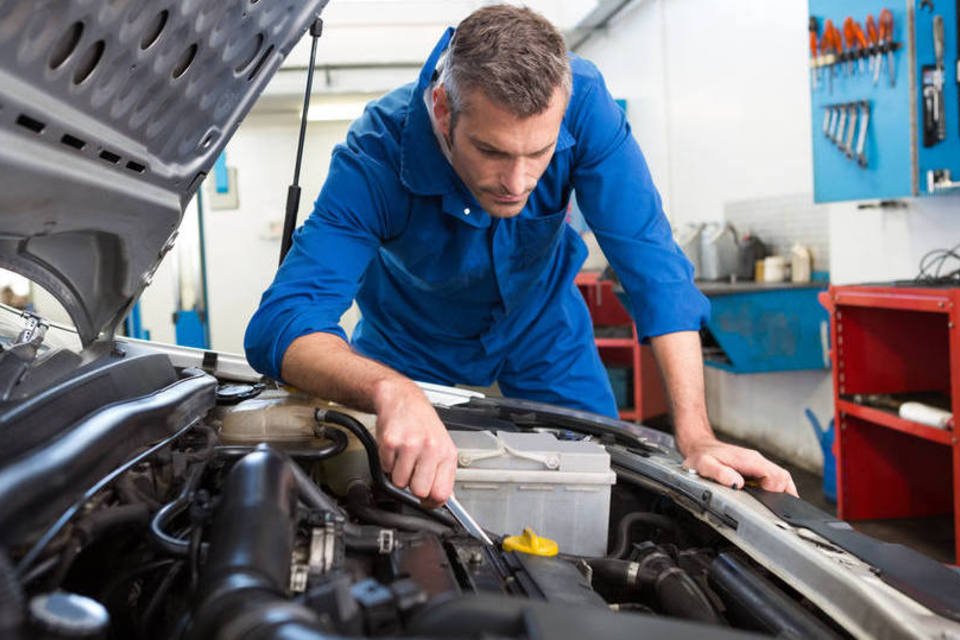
(111, 114)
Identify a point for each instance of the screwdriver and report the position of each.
(836, 39)
(856, 41)
(829, 48)
(825, 50)
(814, 27)
(873, 38)
(886, 42)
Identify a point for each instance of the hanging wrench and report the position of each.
(852, 130)
(834, 125)
(862, 138)
(841, 128)
(827, 116)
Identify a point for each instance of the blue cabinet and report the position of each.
(760, 328)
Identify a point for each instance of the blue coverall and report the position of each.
(451, 295)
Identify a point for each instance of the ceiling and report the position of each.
(378, 32)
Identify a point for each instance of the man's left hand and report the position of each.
(729, 464)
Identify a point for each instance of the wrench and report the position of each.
(848, 145)
(827, 114)
(841, 128)
(834, 124)
(862, 138)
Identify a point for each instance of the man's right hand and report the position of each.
(415, 448)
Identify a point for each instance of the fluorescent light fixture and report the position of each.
(335, 111)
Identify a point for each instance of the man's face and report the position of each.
(498, 155)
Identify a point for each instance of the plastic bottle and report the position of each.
(800, 263)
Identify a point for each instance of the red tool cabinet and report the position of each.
(889, 340)
(624, 351)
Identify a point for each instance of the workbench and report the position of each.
(761, 327)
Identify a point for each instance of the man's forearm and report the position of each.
(681, 364)
(325, 365)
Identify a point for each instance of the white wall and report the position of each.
(718, 95)
(242, 248)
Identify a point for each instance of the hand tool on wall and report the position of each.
(836, 41)
(873, 40)
(841, 128)
(814, 27)
(862, 46)
(827, 113)
(934, 109)
(847, 146)
(862, 137)
(886, 46)
(856, 43)
(835, 124)
(828, 50)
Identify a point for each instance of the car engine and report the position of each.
(269, 517)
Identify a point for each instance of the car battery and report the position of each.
(510, 481)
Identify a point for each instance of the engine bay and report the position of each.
(269, 517)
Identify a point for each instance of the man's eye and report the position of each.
(491, 153)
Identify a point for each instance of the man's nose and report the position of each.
(514, 177)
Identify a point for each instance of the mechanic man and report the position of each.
(443, 214)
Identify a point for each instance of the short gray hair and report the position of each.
(513, 54)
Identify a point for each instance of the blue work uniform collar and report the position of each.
(424, 169)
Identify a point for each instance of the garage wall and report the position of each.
(718, 97)
(242, 246)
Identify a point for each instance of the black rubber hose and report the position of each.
(360, 505)
(373, 460)
(243, 587)
(622, 540)
(756, 603)
(675, 591)
(168, 512)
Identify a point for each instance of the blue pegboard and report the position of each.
(896, 161)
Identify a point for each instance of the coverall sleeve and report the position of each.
(621, 205)
(322, 272)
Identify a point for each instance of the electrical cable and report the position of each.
(931, 269)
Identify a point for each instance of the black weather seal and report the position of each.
(539, 414)
(925, 580)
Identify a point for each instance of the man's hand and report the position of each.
(680, 361)
(728, 464)
(415, 448)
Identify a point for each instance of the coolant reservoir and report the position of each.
(286, 419)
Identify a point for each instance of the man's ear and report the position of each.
(441, 110)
